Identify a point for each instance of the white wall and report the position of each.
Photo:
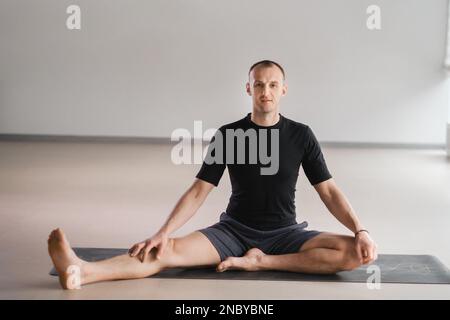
(144, 68)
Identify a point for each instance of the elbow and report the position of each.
(197, 193)
(326, 198)
(330, 195)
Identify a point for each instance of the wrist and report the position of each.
(164, 231)
(360, 231)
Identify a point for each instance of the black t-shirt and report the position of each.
(262, 201)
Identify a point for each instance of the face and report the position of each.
(266, 87)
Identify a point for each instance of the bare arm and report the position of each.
(338, 205)
(187, 206)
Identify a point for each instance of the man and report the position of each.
(258, 231)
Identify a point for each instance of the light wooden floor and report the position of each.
(112, 195)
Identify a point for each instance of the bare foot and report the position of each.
(249, 262)
(69, 266)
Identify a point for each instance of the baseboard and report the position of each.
(72, 138)
(448, 140)
(167, 140)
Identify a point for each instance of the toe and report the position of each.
(221, 267)
(225, 265)
(59, 234)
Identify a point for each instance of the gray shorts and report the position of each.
(232, 238)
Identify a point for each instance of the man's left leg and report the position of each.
(326, 253)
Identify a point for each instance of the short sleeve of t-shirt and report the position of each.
(212, 171)
(313, 162)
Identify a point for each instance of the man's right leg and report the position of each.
(193, 250)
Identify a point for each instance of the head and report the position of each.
(266, 85)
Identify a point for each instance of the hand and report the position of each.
(366, 248)
(159, 240)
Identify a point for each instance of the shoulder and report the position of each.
(241, 123)
(298, 129)
(296, 125)
(301, 133)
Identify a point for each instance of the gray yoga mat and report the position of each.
(393, 269)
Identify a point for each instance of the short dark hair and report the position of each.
(266, 63)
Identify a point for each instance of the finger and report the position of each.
(371, 254)
(146, 251)
(365, 252)
(142, 253)
(137, 249)
(374, 253)
(133, 249)
(368, 253)
(366, 257)
(161, 250)
(130, 251)
(359, 253)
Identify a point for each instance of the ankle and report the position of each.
(263, 262)
(87, 271)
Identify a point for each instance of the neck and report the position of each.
(265, 119)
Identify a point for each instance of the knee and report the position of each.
(170, 254)
(351, 264)
(170, 247)
(350, 260)
(166, 254)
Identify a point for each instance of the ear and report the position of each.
(285, 88)
(247, 88)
